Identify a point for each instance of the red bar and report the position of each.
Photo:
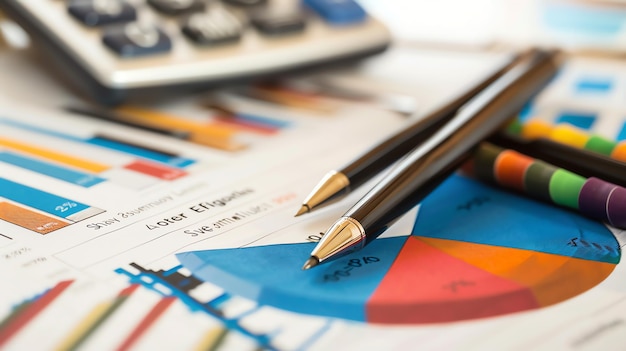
(31, 311)
(155, 170)
(128, 290)
(146, 322)
(245, 125)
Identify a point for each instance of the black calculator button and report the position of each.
(216, 26)
(338, 12)
(177, 7)
(100, 12)
(245, 3)
(137, 39)
(278, 22)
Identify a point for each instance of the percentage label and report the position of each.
(456, 285)
(475, 202)
(65, 206)
(347, 270)
(578, 242)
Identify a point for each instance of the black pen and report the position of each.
(429, 164)
(580, 161)
(381, 156)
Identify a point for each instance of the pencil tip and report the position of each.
(310, 263)
(304, 209)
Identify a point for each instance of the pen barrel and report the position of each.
(381, 156)
(428, 165)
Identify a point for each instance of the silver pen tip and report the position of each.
(302, 210)
(310, 263)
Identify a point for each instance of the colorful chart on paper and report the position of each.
(475, 251)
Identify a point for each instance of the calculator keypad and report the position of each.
(177, 7)
(204, 24)
(101, 12)
(215, 26)
(137, 39)
(278, 22)
(338, 12)
(122, 47)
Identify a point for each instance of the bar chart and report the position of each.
(38, 210)
(126, 317)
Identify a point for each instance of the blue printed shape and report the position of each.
(463, 209)
(272, 275)
(583, 120)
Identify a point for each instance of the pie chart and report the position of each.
(475, 251)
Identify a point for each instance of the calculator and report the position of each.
(116, 50)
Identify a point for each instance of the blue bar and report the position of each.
(41, 200)
(170, 160)
(65, 174)
(597, 86)
(39, 130)
(260, 120)
(154, 155)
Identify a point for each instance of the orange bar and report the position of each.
(293, 99)
(76, 162)
(218, 143)
(25, 218)
(165, 120)
(203, 133)
(510, 168)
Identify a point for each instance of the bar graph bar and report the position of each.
(179, 285)
(148, 320)
(98, 315)
(252, 123)
(284, 96)
(140, 151)
(110, 143)
(62, 173)
(207, 134)
(59, 157)
(63, 165)
(58, 206)
(212, 339)
(28, 310)
(155, 170)
(29, 219)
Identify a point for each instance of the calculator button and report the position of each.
(177, 7)
(99, 12)
(338, 11)
(245, 3)
(278, 22)
(137, 39)
(216, 26)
